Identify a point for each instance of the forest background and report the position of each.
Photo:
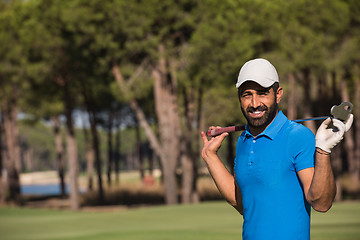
(90, 86)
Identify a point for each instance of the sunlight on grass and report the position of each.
(210, 220)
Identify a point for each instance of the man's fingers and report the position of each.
(223, 135)
(349, 122)
(203, 135)
(339, 125)
(327, 122)
(213, 127)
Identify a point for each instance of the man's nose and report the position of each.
(255, 102)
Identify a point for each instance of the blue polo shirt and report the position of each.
(266, 172)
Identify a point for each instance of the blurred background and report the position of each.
(102, 102)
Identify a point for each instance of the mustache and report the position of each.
(259, 108)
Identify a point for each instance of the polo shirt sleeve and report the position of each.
(302, 147)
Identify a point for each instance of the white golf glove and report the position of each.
(327, 137)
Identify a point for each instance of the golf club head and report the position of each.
(342, 111)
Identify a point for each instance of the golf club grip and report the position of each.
(216, 132)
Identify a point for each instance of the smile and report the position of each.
(257, 114)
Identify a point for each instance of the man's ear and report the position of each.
(279, 94)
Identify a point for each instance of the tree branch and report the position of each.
(154, 142)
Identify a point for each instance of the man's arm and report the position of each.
(318, 182)
(224, 181)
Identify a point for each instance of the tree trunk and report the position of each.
(198, 143)
(167, 159)
(187, 173)
(2, 190)
(59, 153)
(139, 152)
(337, 166)
(356, 112)
(189, 187)
(110, 147)
(13, 165)
(117, 148)
(166, 107)
(28, 156)
(348, 138)
(151, 160)
(291, 104)
(154, 143)
(91, 109)
(308, 100)
(89, 155)
(95, 140)
(71, 150)
(187, 154)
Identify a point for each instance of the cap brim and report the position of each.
(264, 82)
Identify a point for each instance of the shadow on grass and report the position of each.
(138, 195)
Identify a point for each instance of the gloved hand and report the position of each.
(328, 136)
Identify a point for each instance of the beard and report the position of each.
(263, 121)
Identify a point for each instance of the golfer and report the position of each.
(281, 168)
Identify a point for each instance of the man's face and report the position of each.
(258, 104)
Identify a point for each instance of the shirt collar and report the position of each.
(272, 130)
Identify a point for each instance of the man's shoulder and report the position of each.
(297, 130)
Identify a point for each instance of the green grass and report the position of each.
(211, 220)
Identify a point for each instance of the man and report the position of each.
(281, 169)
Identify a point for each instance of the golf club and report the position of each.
(341, 112)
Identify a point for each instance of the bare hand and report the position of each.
(212, 146)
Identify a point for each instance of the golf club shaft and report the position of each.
(310, 119)
(216, 132)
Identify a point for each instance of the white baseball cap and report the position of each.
(258, 70)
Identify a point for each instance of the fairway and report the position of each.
(211, 220)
